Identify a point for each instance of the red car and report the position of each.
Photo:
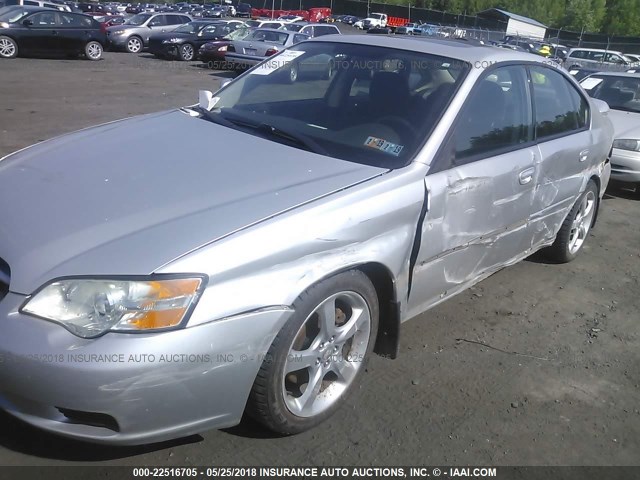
(213, 52)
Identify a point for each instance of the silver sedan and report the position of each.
(259, 45)
(622, 92)
(156, 289)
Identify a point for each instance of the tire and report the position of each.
(186, 52)
(8, 47)
(93, 51)
(576, 227)
(334, 355)
(134, 44)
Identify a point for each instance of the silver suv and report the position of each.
(595, 57)
(133, 35)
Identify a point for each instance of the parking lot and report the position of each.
(537, 365)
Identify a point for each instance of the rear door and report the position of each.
(563, 136)
(479, 191)
(75, 32)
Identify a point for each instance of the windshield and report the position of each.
(12, 14)
(191, 27)
(359, 103)
(138, 19)
(620, 92)
(269, 36)
(293, 27)
(238, 34)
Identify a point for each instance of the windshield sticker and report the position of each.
(270, 66)
(383, 145)
(590, 83)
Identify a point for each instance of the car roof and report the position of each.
(596, 50)
(615, 74)
(452, 48)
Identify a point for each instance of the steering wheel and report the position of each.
(395, 121)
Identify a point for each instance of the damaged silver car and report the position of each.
(156, 289)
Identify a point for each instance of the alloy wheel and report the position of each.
(582, 222)
(7, 48)
(326, 354)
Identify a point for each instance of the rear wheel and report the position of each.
(186, 52)
(576, 227)
(93, 51)
(8, 47)
(134, 45)
(318, 356)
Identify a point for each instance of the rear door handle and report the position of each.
(584, 155)
(526, 176)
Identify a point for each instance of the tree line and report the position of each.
(613, 17)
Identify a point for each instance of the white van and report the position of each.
(35, 3)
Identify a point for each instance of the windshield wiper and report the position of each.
(297, 140)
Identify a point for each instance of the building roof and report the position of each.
(503, 13)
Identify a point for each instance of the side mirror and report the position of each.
(27, 23)
(602, 106)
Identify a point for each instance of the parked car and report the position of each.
(621, 91)
(291, 18)
(261, 23)
(43, 31)
(215, 12)
(184, 286)
(243, 10)
(312, 29)
(260, 44)
(110, 20)
(185, 41)
(133, 35)
(35, 3)
(407, 29)
(349, 19)
(597, 58)
(213, 52)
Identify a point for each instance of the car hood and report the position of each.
(169, 183)
(625, 124)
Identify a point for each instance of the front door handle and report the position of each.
(526, 176)
(584, 155)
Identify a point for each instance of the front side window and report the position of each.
(401, 96)
(554, 99)
(497, 115)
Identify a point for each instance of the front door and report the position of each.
(480, 193)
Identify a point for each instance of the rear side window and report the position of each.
(77, 21)
(497, 115)
(559, 108)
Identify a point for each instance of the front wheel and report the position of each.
(93, 50)
(186, 52)
(8, 47)
(134, 45)
(576, 227)
(318, 356)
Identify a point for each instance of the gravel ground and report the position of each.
(556, 383)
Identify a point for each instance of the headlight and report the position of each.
(223, 48)
(171, 40)
(4, 25)
(118, 32)
(90, 307)
(633, 145)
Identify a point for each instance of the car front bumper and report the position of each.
(130, 388)
(625, 166)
